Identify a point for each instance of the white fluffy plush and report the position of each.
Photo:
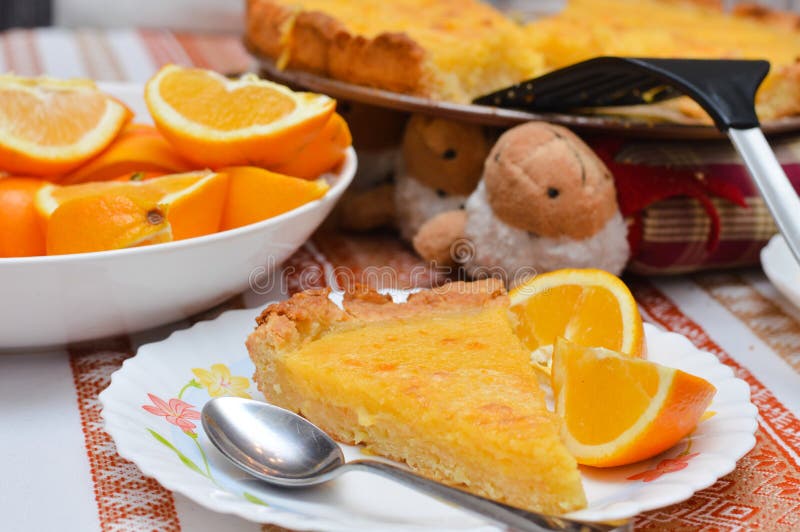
(416, 203)
(497, 247)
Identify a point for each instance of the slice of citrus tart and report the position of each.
(440, 382)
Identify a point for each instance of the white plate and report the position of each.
(781, 268)
(47, 301)
(189, 464)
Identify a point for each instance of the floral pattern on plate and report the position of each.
(218, 382)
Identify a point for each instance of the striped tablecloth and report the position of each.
(115, 55)
(61, 470)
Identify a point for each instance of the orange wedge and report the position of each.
(109, 221)
(113, 215)
(48, 127)
(214, 121)
(324, 153)
(618, 410)
(21, 230)
(139, 148)
(255, 194)
(590, 307)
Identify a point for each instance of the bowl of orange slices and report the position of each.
(124, 207)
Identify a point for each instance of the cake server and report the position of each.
(284, 449)
(724, 88)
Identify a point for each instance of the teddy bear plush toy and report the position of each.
(545, 201)
(439, 165)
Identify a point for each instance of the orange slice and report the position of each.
(139, 148)
(618, 410)
(214, 121)
(48, 127)
(324, 153)
(113, 215)
(21, 230)
(255, 194)
(590, 307)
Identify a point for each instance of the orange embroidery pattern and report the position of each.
(126, 499)
(780, 331)
(764, 490)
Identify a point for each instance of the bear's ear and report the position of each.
(445, 139)
(445, 155)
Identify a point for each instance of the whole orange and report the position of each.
(21, 229)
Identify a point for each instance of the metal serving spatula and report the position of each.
(724, 88)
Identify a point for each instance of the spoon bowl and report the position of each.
(271, 443)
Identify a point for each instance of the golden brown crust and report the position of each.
(310, 39)
(295, 39)
(365, 304)
(309, 314)
(263, 26)
(391, 61)
(299, 319)
(315, 42)
(303, 306)
(781, 97)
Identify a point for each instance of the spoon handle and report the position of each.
(497, 512)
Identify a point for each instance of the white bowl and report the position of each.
(47, 301)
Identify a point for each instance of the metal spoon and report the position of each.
(284, 449)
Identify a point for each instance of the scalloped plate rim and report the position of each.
(232, 504)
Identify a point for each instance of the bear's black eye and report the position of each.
(441, 193)
(449, 154)
(552, 192)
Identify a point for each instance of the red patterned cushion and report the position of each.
(691, 205)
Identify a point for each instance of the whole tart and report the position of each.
(451, 50)
(440, 382)
(456, 50)
(699, 29)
